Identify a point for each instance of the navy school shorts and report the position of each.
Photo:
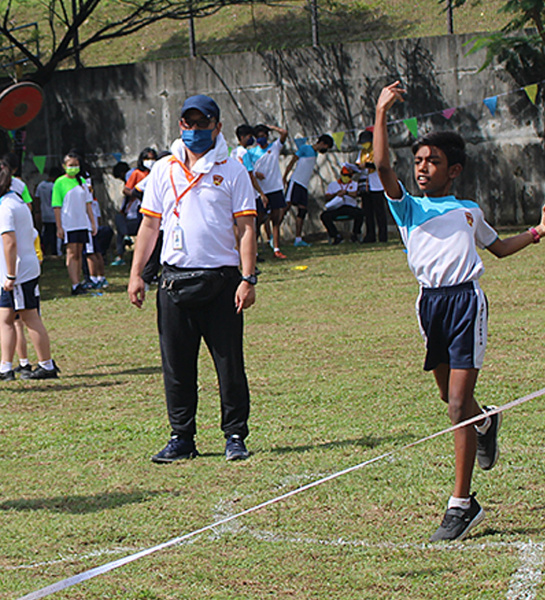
(453, 321)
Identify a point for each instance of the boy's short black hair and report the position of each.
(261, 129)
(244, 130)
(326, 139)
(450, 142)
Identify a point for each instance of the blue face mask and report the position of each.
(262, 141)
(250, 141)
(197, 140)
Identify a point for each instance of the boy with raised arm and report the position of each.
(441, 234)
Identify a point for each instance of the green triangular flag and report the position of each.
(412, 125)
(39, 161)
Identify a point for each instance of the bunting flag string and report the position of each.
(491, 103)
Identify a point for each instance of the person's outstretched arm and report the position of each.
(389, 95)
(510, 245)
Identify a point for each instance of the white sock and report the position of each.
(277, 249)
(94, 279)
(23, 362)
(463, 503)
(298, 239)
(5, 367)
(482, 429)
(75, 285)
(47, 364)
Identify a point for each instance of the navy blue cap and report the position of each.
(206, 105)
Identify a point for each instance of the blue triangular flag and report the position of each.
(117, 156)
(300, 142)
(491, 103)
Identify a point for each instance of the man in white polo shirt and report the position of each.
(197, 195)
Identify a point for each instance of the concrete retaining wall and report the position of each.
(125, 108)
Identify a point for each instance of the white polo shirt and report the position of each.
(215, 193)
(442, 235)
(15, 217)
(336, 186)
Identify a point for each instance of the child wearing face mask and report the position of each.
(341, 201)
(72, 202)
(128, 219)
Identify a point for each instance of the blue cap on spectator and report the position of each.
(204, 104)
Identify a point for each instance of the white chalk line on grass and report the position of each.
(524, 582)
(100, 570)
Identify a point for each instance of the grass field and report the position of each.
(334, 363)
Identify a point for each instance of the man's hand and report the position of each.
(9, 284)
(244, 296)
(136, 290)
(389, 96)
(60, 233)
(259, 175)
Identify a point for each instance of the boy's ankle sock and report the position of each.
(75, 285)
(482, 429)
(47, 364)
(24, 362)
(463, 503)
(5, 367)
(94, 279)
(298, 239)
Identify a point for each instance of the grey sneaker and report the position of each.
(7, 376)
(235, 449)
(177, 449)
(488, 449)
(457, 522)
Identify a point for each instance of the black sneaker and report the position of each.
(457, 522)
(79, 290)
(235, 449)
(338, 239)
(176, 449)
(488, 449)
(7, 376)
(20, 369)
(41, 373)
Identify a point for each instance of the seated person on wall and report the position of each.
(341, 201)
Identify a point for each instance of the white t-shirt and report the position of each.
(305, 165)
(265, 161)
(442, 236)
(336, 186)
(207, 211)
(15, 216)
(72, 197)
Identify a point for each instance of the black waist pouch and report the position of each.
(191, 288)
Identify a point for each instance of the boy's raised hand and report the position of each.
(389, 96)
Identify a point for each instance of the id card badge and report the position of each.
(177, 243)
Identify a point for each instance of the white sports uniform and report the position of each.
(441, 236)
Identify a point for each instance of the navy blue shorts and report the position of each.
(78, 236)
(276, 200)
(453, 322)
(25, 296)
(297, 194)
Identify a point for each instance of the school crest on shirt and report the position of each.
(469, 219)
(217, 179)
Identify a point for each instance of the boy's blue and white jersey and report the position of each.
(441, 236)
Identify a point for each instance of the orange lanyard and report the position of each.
(193, 182)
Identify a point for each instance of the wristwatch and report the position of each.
(251, 279)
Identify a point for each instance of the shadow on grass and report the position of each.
(59, 386)
(135, 371)
(79, 504)
(365, 442)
